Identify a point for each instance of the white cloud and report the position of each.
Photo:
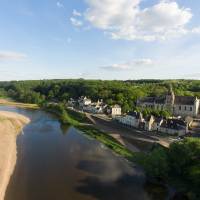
(124, 19)
(76, 22)
(76, 13)
(11, 56)
(129, 65)
(59, 5)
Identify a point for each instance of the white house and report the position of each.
(132, 119)
(114, 110)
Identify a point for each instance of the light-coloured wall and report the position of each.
(185, 110)
(129, 121)
(172, 131)
(116, 111)
(87, 102)
(193, 113)
(149, 124)
(196, 107)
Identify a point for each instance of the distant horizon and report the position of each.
(60, 79)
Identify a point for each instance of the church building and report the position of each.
(178, 105)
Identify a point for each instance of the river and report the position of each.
(60, 163)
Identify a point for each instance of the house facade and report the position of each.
(114, 110)
(178, 105)
(132, 119)
(174, 127)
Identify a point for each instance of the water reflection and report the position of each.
(64, 128)
(58, 163)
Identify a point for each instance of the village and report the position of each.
(185, 120)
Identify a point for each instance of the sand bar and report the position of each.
(11, 125)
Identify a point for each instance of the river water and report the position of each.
(60, 163)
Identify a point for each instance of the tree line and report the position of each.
(124, 93)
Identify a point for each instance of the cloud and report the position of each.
(59, 4)
(76, 13)
(124, 19)
(76, 22)
(11, 56)
(129, 65)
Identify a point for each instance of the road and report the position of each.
(120, 132)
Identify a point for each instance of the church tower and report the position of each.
(170, 99)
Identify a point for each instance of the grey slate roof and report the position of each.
(179, 100)
(176, 124)
(184, 100)
(156, 100)
(134, 114)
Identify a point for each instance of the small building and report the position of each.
(174, 127)
(84, 101)
(114, 110)
(132, 119)
(96, 107)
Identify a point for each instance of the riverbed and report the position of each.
(55, 162)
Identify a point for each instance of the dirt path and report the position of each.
(10, 125)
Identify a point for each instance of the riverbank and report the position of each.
(82, 123)
(10, 126)
(8, 102)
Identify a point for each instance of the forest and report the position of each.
(124, 93)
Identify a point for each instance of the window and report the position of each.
(179, 107)
(185, 108)
(191, 109)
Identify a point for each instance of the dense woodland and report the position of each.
(178, 166)
(124, 93)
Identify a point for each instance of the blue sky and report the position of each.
(99, 39)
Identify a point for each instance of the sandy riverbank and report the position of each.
(8, 102)
(11, 125)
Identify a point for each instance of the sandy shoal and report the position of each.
(11, 125)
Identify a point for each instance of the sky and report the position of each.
(99, 39)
